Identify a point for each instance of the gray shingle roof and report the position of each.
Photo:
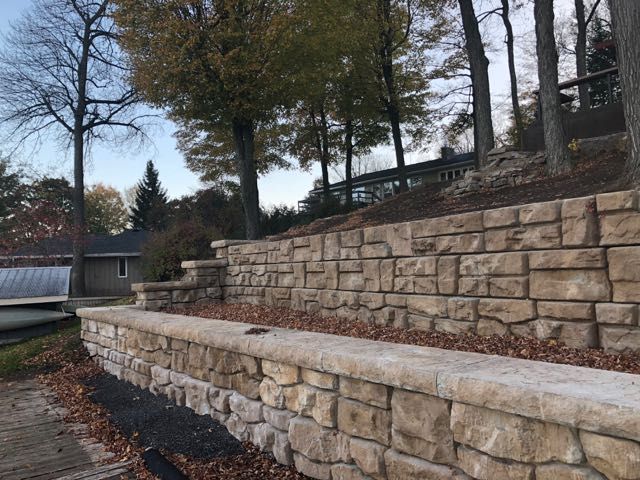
(17, 283)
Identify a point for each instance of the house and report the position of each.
(112, 262)
(31, 301)
(376, 186)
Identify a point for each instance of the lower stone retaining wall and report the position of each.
(345, 409)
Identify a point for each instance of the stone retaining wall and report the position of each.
(346, 409)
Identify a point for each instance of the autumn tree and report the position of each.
(223, 62)
(62, 74)
(105, 210)
(150, 210)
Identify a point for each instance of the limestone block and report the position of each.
(457, 327)
(426, 285)
(341, 471)
(320, 379)
(404, 467)
(370, 393)
(620, 339)
(501, 217)
(282, 373)
(494, 264)
(226, 362)
(532, 237)
(219, 399)
(250, 411)
(331, 246)
(350, 266)
(484, 467)
(241, 382)
(626, 291)
(188, 296)
(617, 459)
(319, 471)
(566, 310)
(376, 234)
(237, 427)
(316, 280)
(371, 274)
(624, 272)
(197, 396)
(399, 238)
(282, 448)
(351, 238)
(369, 456)
(511, 287)
(350, 253)
(299, 274)
(558, 471)
(417, 266)
(540, 212)
(431, 227)
(558, 259)
(573, 334)
(376, 250)
(403, 284)
(318, 443)
(271, 393)
(486, 328)
(424, 246)
(608, 202)
(262, 435)
(333, 299)
(579, 222)
(278, 418)
(448, 274)
(302, 254)
(620, 228)
(427, 305)
(466, 243)
(300, 398)
(587, 285)
(473, 286)
(507, 311)
(617, 313)
(364, 421)
(417, 322)
(460, 308)
(513, 437)
(373, 301)
(387, 268)
(421, 426)
(325, 408)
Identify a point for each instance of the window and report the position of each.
(122, 267)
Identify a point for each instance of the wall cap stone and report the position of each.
(230, 243)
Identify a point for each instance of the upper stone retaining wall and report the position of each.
(350, 409)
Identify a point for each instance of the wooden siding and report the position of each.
(101, 276)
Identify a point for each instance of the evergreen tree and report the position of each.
(150, 209)
(599, 59)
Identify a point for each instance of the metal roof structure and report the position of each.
(19, 286)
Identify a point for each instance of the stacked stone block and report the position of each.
(338, 426)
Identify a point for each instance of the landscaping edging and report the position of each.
(343, 408)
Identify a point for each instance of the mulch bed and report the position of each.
(527, 348)
(596, 175)
(120, 424)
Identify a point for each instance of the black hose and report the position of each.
(160, 466)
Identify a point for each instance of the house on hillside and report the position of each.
(376, 186)
(112, 262)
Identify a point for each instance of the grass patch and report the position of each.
(18, 359)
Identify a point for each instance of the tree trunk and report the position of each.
(243, 135)
(324, 156)
(581, 55)
(77, 266)
(326, 192)
(391, 98)
(348, 146)
(625, 17)
(479, 64)
(515, 101)
(557, 152)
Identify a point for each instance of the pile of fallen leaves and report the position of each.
(507, 346)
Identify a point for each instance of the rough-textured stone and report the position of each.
(466, 243)
(342, 471)
(250, 411)
(507, 311)
(617, 459)
(418, 266)
(320, 379)
(421, 426)
(513, 437)
(277, 418)
(404, 467)
(325, 408)
(271, 393)
(448, 274)
(558, 259)
(430, 306)
(619, 228)
(460, 308)
(282, 448)
(540, 212)
(237, 427)
(431, 227)
(501, 217)
(617, 313)
(620, 339)
(624, 272)
(579, 222)
(510, 287)
(558, 471)
(566, 310)
(588, 285)
(369, 456)
(456, 327)
(533, 237)
(474, 286)
(488, 327)
(197, 396)
(494, 264)
(484, 467)
(371, 393)
(608, 202)
(319, 471)
(318, 443)
(364, 421)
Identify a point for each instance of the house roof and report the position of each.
(127, 243)
(412, 170)
(34, 285)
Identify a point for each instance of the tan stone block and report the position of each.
(403, 284)
(350, 266)
(351, 281)
(474, 286)
(371, 274)
(320, 379)
(350, 253)
(617, 313)
(364, 421)
(448, 274)
(331, 250)
(351, 238)
(579, 222)
(457, 327)
(617, 459)
(419, 266)
(486, 328)
(469, 242)
(399, 238)
(501, 217)
(376, 250)
(620, 228)
(237, 427)
(278, 418)
(373, 301)
(426, 285)
(342, 471)
(626, 291)
(369, 456)
(325, 408)
(371, 393)
(512, 287)
(421, 426)
(271, 393)
(250, 411)
(558, 471)
(333, 299)
(507, 311)
(540, 212)
(620, 339)
(219, 399)
(460, 308)
(431, 227)
(588, 285)
(318, 443)
(484, 467)
(376, 234)
(387, 268)
(566, 310)
(427, 305)
(513, 437)
(533, 237)
(559, 259)
(624, 264)
(608, 202)
(319, 471)
(424, 246)
(573, 334)
(395, 300)
(494, 264)
(405, 467)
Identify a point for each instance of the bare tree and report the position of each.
(583, 21)
(625, 17)
(509, 40)
(557, 151)
(62, 74)
(479, 63)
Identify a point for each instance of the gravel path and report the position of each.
(527, 348)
